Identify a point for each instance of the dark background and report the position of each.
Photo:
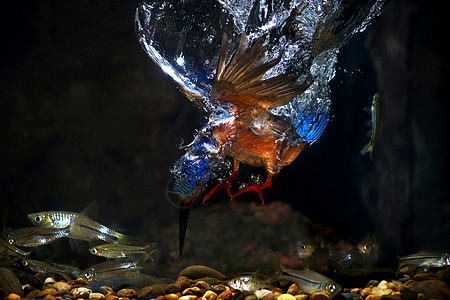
(86, 116)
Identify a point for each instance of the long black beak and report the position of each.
(182, 226)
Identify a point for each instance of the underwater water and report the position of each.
(88, 117)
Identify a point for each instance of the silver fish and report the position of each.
(80, 226)
(375, 111)
(425, 260)
(368, 244)
(308, 281)
(108, 269)
(311, 282)
(43, 267)
(119, 250)
(52, 219)
(33, 236)
(250, 283)
(12, 250)
(305, 249)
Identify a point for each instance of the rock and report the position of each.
(192, 291)
(13, 296)
(144, 291)
(111, 297)
(188, 297)
(432, 289)
(26, 278)
(173, 288)
(302, 297)
(184, 282)
(408, 294)
(225, 295)
(49, 297)
(380, 291)
(62, 286)
(171, 297)
(286, 297)
(51, 290)
(128, 293)
(10, 283)
(199, 271)
(277, 291)
(268, 296)
(79, 282)
(202, 284)
(97, 296)
(49, 280)
(219, 288)
(293, 289)
(81, 292)
(373, 297)
(366, 292)
(37, 294)
(319, 296)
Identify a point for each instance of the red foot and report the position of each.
(255, 188)
(223, 184)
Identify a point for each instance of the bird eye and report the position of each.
(37, 218)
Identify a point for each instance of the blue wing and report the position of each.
(310, 125)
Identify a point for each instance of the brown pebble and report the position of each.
(209, 295)
(51, 290)
(49, 297)
(144, 291)
(111, 297)
(79, 281)
(13, 296)
(184, 282)
(277, 291)
(319, 296)
(192, 291)
(269, 296)
(302, 297)
(62, 286)
(286, 297)
(202, 284)
(355, 291)
(219, 288)
(432, 289)
(171, 296)
(293, 289)
(373, 297)
(188, 297)
(199, 271)
(225, 295)
(372, 283)
(96, 296)
(128, 293)
(366, 292)
(107, 289)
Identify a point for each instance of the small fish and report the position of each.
(308, 281)
(11, 249)
(118, 250)
(425, 260)
(368, 244)
(305, 249)
(375, 111)
(33, 236)
(79, 224)
(43, 267)
(108, 269)
(250, 282)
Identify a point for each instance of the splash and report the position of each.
(184, 37)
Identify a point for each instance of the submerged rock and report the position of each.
(432, 289)
(10, 283)
(199, 271)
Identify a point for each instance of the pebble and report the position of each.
(192, 291)
(96, 296)
(408, 294)
(225, 295)
(293, 289)
(373, 297)
(111, 297)
(62, 286)
(319, 296)
(432, 289)
(269, 296)
(9, 282)
(49, 297)
(302, 297)
(286, 297)
(188, 297)
(144, 291)
(210, 295)
(128, 293)
(81, 292)
(250, 297)
(183, 281)
(13, 296)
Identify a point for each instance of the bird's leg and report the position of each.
(255, 188)
(225, 183)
